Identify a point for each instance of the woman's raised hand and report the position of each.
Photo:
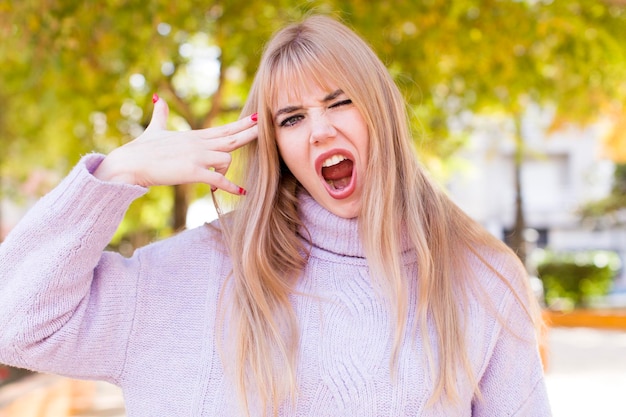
(164, 157)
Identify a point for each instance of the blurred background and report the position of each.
(518, 109)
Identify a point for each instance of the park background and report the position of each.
(518, 108)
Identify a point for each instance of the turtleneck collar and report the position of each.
(327, 231)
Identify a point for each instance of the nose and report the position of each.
(321, 128)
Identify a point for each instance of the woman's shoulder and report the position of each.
(497, 271)
(500, 291)
(499, 259)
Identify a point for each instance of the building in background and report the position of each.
(562, 171)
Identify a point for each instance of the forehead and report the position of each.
(306, 93)
(292, 84)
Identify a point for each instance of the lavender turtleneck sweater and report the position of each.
(148, 323)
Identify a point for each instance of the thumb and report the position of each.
(159, 114)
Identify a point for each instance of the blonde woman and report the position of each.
(345, 283)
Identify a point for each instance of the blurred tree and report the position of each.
(463, 56)
(78, 76)
(496, 57)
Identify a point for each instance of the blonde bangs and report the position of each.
(298, 65)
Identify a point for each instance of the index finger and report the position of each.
(228, 129)
(231, 142)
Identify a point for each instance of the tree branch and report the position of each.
(179, 104)
(218, 96)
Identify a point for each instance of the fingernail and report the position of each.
(254, 117)
(155, 98)
(213, 189)
(242, 191)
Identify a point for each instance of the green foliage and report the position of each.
(77, 76)
(577, 277)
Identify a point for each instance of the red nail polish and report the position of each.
(255, 117)
(155, 98)
(242, 191)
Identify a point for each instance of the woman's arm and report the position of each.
(513, 381)
(66, 307)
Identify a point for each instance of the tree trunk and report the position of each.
(181, 204)
(182, 192)
(518, 243)
(516, 238)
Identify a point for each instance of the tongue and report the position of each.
(338, 171)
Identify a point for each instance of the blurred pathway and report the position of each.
(52, 396)
(586, 373)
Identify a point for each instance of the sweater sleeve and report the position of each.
(66, 306)
(513, 381)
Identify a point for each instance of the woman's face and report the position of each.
(324, 142)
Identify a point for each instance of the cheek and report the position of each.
(283, 150)
(291, 154)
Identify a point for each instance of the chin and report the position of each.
(348, 211)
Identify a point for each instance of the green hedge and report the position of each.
(578, 277)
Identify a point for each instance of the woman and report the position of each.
(345, 283)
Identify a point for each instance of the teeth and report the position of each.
(333, 160)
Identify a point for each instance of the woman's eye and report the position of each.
(292, 120)
(341, 103)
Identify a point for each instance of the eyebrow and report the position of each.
(326, 99)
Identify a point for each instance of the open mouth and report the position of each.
(337, 172)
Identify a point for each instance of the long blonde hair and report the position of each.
(268, 255)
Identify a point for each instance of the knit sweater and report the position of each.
(149, 323)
